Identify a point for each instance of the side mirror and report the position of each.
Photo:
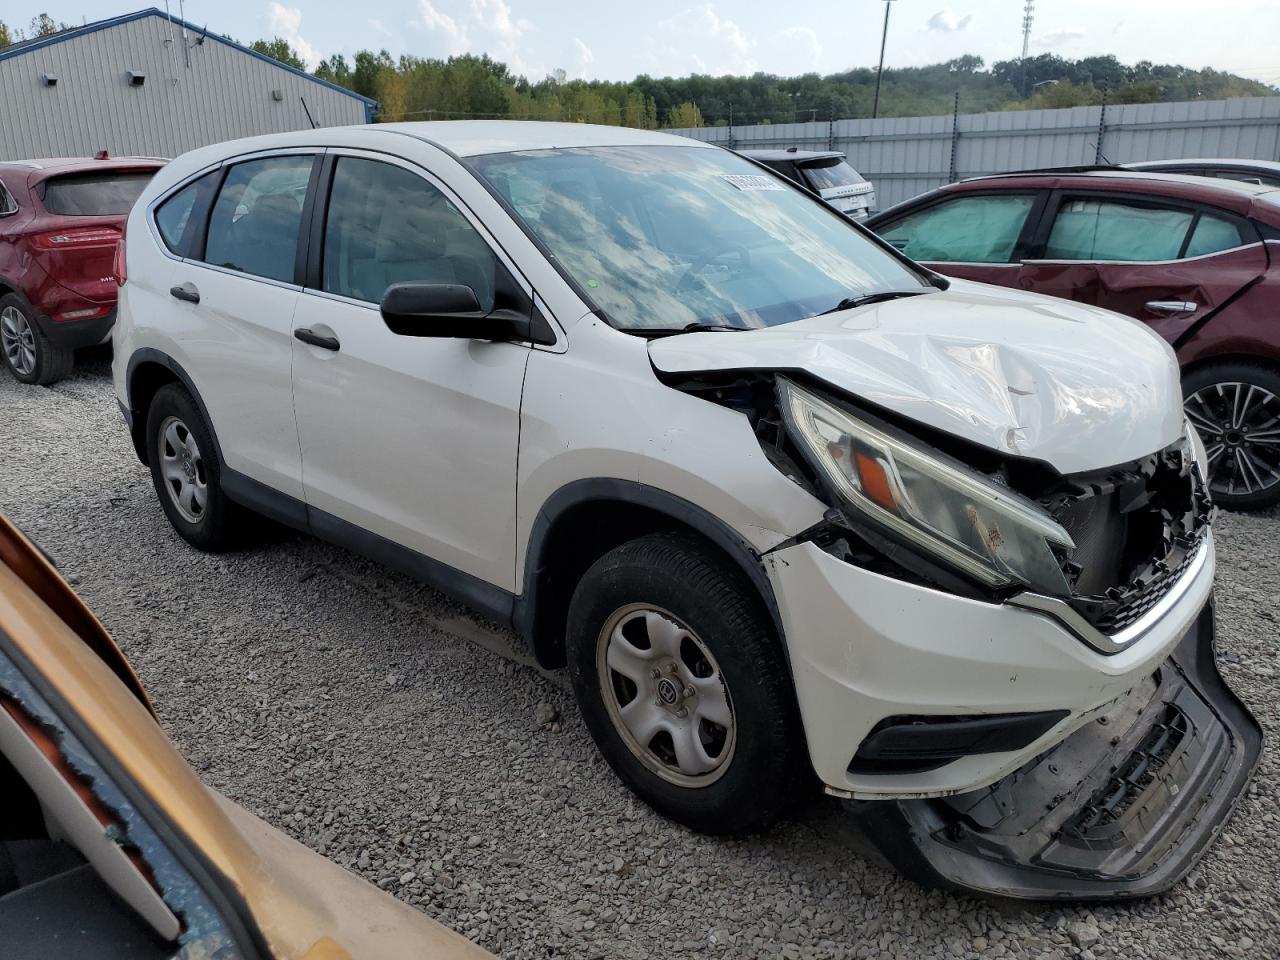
(453, 310)
(433, 310)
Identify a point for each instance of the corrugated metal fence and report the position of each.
(906, 156)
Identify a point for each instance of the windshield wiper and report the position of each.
(848, 303)
(696, 327)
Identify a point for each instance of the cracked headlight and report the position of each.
(954, 515)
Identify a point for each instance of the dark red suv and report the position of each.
(60, 224)
(1196, 259)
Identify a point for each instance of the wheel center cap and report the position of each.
(668, 691)
(189, 468)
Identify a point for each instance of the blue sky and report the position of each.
(594, 38)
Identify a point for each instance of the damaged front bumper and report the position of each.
(1123, 807)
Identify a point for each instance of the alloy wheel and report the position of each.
(666, 696)
(18, 341)
(1240, 426)
(182, 468)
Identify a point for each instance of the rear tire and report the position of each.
(187, 475)
(682, 681)
(1231, 405)
(28, 354)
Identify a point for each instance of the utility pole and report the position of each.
(875, 107)
(1028, 17)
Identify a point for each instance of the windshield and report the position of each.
(826, 176)
(95, 194)
(665, 237)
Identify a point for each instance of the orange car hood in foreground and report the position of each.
(303, 905)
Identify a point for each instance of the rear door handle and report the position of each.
(307, 335)
(1171, 307)
(185, 291)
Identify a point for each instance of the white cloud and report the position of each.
(479, 26)
(582, 59)
(1063, 37)
(495, 15)
(451, 32)
(701, 40)
(945, 21)
(803, 45)
(286, 22)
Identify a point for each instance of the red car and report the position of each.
(60, 224)
(1196, 259)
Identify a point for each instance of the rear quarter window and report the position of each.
(181, 216)
(94, 194)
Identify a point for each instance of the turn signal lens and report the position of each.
(875, 483)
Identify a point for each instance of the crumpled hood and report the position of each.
(1076, 386)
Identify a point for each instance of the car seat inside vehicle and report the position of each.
(265, 239)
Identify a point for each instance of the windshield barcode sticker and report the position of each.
(751, 181)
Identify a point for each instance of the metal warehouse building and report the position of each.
(150, 84)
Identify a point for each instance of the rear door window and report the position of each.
(1095, 229)
(981, 229)
(94, 194)
(257, 217)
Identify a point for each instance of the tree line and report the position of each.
(414, 88)
(477, 86)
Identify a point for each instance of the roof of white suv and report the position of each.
(469, 138)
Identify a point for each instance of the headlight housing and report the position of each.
(1199, 455)
(952, 514)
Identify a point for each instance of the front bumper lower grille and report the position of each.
(1121, 808)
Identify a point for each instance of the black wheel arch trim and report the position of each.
(8, 286)
(603, 489)
(133, 416)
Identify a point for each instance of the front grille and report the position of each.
(1112, 616)
(1136, 527)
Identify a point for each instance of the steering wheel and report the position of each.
(701, 263)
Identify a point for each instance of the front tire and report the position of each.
(1235, 407)
(28, 354)
(683, 684)
(187, 475)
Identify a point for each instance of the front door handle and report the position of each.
(185, 291)
(1170, 307)
(307, 335)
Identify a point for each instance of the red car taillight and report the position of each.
(118, 267)
(77, 237)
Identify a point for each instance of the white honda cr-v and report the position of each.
(783, 502)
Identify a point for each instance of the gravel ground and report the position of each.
(383, 726)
